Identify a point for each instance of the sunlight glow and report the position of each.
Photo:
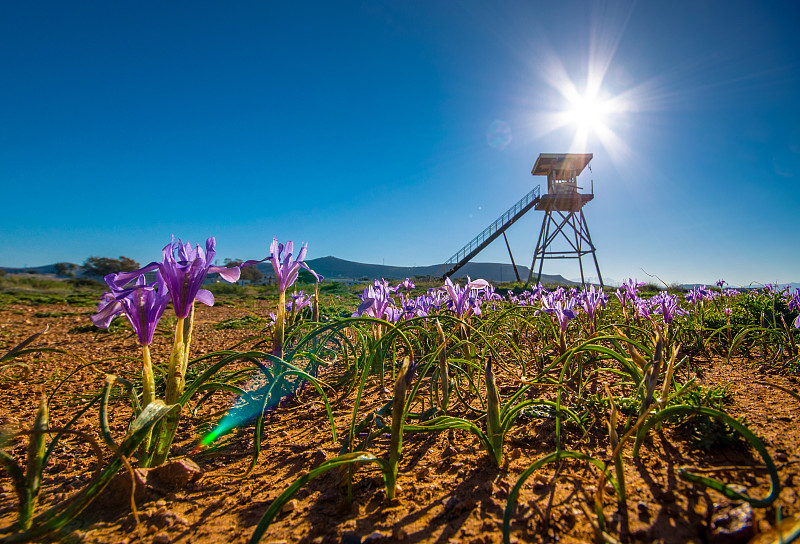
(588, 112)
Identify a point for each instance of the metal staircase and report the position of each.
(490, 233)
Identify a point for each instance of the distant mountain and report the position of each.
(338, 269)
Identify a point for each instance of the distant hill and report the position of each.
(349, 271)
(339, 269)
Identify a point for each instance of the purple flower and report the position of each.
(299, 301)
(794, 304)
(184, 275)
(591, 300)
(666, 305)
(142, 304)
(721, 283)
(699, 294)
(628, 291)
(406, 284)
(464, 301)
(641, 308)
(490, 294)
(286, 269)
(561, 308)
(376, 301)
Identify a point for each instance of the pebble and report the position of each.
(161, 538)
(539, 481)
(290, 506)
(449, 451)
(176, 474)
(733, 524)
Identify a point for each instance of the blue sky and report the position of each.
(362, 129)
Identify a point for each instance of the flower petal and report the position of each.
(205, 296)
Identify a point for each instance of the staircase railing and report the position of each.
(491, 232)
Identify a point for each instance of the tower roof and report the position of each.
(557, 163)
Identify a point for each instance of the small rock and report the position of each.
(176, 474)
(489, 487)
(516, 453)
(161, 538)
(733, 524)
(449, 451)
(283, 434)
(290, 506)
(423, 473)
(118, 491)
(539, 481)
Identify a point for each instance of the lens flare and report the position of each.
(498, 135)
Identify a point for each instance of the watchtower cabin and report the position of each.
(563, 211)
(562, 171)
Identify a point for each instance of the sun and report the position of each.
(588, 112)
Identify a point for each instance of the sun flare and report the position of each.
(588, 112)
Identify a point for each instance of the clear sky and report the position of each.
(368, 129)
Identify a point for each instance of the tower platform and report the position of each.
(567, 202)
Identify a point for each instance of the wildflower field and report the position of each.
(165, 409)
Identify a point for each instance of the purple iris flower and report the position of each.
(490, 294)
(561, 308)
(299, 301)
(628, 291)
(699, 294)
(721, 283)
(184, 275)
(591, 300)
(142, 304)
(286, 269)
(406, 284)
(464, 301)
(376, 301)
(666, 305)
(794, 304)
(641, 308)
(438, 297)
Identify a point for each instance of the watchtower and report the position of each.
(563, 211)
